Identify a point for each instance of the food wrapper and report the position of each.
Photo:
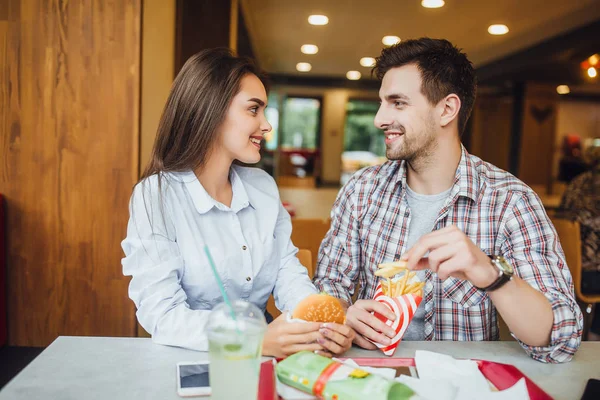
(331, 380)
(404, 306)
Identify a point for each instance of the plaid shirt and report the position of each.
(498, 212)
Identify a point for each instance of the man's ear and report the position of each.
(450, 106)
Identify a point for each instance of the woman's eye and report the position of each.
(254, 110)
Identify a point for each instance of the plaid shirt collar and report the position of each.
(466, 180)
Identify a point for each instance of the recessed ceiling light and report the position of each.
(303, 67)
(367, 61)
(563, 89)
(433, 3)
(498, 29)
(594, 59)
(318, 20)
(309, 49)
(353, 75)
(592, 73)
(390, 40)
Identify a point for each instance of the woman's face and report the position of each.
(241, 133)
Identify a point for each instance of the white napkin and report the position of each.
(464, 374)
(444, 377)
(429, 388)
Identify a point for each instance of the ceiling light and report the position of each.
(563, 89)
(594, 59)
(318, 20)
(353, 75)
(433, 3)
(309, 49)
(498, 29)
(592, 73)
(303, 67)
(390, 40)
(367, 61)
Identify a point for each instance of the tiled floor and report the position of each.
(14, 359)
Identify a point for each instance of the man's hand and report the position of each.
(367, 326)
(285, 338)
(452, 253)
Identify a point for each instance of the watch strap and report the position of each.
(499, 282)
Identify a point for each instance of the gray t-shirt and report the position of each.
(424, 210)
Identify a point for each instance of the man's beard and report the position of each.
(413, 150)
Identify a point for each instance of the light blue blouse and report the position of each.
(172, 284)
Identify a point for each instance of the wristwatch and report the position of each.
(505, 273)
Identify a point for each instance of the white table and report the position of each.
(135, 368)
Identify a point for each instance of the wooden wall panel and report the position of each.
(69, 143)
(538, 134)
(491, 129)
(158, 64)
(202, 24)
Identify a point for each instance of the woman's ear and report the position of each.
(450, 109)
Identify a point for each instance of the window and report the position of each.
(299, 137)
(301, 123)
(364, 144)
(272, 115)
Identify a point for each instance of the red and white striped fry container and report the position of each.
(404, 307)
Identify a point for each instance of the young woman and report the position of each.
(193, 194)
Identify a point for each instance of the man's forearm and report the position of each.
(526, 311)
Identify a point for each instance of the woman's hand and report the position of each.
(285, 338)
(336, 339)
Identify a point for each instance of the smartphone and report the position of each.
(592, 390)
(192, 379)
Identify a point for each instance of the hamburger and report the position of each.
(320, 308)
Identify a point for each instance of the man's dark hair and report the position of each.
(444, 68)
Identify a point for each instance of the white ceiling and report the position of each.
(278, 28)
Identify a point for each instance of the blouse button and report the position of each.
(244, 247)
(248, 279)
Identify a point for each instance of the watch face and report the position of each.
(503, 264)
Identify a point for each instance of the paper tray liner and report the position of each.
(502, 376)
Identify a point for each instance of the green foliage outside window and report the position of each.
(300, 123)
(360, 134)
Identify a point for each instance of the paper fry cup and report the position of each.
(404, 307)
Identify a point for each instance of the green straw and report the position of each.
(224, 294)
(220, 284)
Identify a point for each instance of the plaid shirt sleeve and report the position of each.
(531, 245)
(338, 264)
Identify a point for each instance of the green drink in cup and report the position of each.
(235, 337)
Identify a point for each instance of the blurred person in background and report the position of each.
(571, 163)
(193, 194)
(581, 202)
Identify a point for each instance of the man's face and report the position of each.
(406, 116)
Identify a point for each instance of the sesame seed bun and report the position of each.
(320, 308)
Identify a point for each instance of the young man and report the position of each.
(477, 235)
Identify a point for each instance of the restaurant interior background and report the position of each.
(84, 82)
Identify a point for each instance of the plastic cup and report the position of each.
(235, 348)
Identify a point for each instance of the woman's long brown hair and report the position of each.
(196, 107)
(189, 126)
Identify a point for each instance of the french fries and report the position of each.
(401, 286)
(387, 270)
